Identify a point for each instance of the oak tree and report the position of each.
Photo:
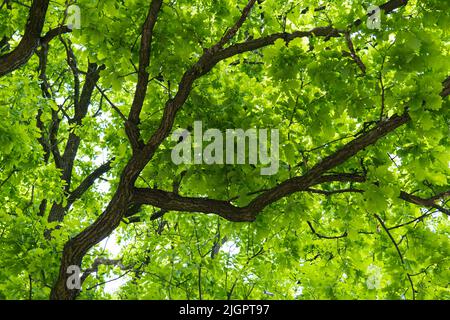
(358, 208)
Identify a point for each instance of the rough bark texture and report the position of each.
(30, 40)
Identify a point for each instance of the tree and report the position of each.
(357, 209)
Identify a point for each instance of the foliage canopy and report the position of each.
(358, 208)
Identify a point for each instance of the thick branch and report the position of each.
(53, 33)
(173, 202)
(170, 201)
(430, 202)
(30, 40)
(143, 75)
(315, 175)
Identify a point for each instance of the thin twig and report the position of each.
(325, 237)
(111, 104)
(399, 253)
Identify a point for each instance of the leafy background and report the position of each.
(317, 97)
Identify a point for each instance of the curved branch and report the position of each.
(53, 33)
(325, 237)
(171, 201)
(30, 41)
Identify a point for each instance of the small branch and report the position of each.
(412, 286)
(199, 281)
(353, 54)
(7, 178)
(325, 237)
(30, 293)
(383, 96)
(111, 280)
(97, 263)
(72, 62)
(88, 182)
(53, 33)
(390, 236)
(234, 29)
(426, 214)
(398, 251)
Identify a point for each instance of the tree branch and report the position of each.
(169, 201)
(58, 211)
(97, 263)
(211, 57)
(398, 251)
(446, 88)
(88, 182)
(75, 249)
(390, 237)
(234, 29)
(426, 214)
(7, 178)
(143, 75)
(30, 40)
(430, 202)
(325, 237)
(53, 33)
(353, 54)
(329, 193)
(111, 104)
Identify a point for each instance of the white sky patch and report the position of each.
(59, 101)
(114, 249)
(251, 277)
(112, 286)
(231, 248)
(298, 292)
